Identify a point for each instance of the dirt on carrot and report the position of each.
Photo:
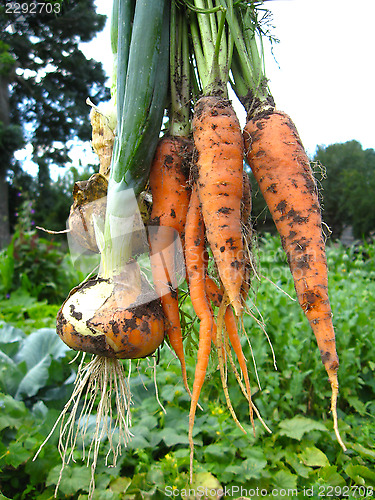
(281, 167)
(219, 159)
(171, 194)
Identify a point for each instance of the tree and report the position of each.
(348, 187)
(44, 82)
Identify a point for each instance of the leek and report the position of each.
(142, 55)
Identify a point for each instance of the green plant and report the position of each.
(301, 453)
(30, 364)
(41, 268)
(33, 381)
(6, 270)
(24, 311)
(37, 266)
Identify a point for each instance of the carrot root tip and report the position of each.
(335, 391)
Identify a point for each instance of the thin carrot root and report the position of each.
(221, 353)
(244, 388)
(260, 322)
(247, 237)
(100, 379)
(200, 374)
(332, 374)
(236, 344)
(156, 387)
(221, 299)
(244, 392)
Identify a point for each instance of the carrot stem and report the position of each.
(180, 74)
(249, 80)
(211, 47)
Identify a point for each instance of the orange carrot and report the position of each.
(282, 170)
(195, 264)
(219, 145)
(168, 182)
(170, 194)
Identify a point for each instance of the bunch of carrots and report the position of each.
(201, 197)
(209, 205)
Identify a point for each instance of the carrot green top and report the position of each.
(211, 44)
(225, 36)
(249, 80)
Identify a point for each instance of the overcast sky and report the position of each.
(324, 77)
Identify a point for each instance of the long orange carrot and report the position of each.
(195, 264)
(282, 170)
(219, 145)
(170, 194)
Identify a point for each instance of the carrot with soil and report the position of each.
(217, 296)
(170, 201)
(282, 169)
(287, 184)
(219, 146)
(196, 270)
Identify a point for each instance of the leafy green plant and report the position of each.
(26, 312)
(36, 265)
(35, 377)
(41, 268)
(301, 453)
(6, 270)
(28, 363)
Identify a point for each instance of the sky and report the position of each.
(321, 72)
(325, 77)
